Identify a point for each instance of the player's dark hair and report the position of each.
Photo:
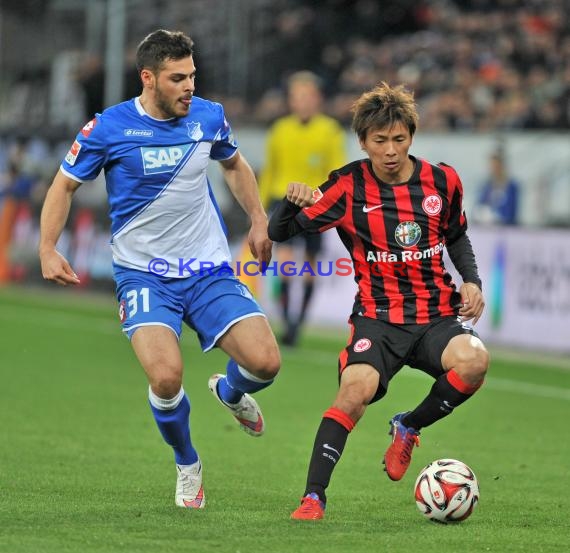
(160, 46)
(382, 107)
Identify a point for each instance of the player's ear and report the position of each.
(147, 78)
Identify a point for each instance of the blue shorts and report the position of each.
(209, 303)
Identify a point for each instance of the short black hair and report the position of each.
(162, 45)
(384, 106)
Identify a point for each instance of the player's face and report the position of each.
(173, 87)
(387, 149)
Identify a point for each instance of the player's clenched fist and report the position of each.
(300, 194)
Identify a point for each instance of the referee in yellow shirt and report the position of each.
(303, 146)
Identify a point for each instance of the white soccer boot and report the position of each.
(246, 412)
(189, 489)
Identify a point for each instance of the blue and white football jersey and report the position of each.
(160, 201)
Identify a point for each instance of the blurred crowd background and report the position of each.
(474, 64)
(491, 77)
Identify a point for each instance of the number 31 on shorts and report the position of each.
(136, 299)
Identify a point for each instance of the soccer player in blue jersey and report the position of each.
(170, 252)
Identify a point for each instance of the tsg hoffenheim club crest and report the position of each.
(194, 130)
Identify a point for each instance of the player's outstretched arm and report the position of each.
(241, 181)
(283, 224)
(55, 212)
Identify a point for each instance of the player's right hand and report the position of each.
(55, 267)
(473, 302)
(300, 194)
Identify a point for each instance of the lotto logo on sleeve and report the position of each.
(71, 156)
(163, 160)
(86, 130)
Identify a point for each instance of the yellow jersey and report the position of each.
(300, 152)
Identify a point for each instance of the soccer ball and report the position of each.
(446, 491)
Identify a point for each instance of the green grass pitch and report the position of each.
(83, 468)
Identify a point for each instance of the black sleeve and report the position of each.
(462, 256)
(282, 224)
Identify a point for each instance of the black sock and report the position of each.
(284, 299)
(329, 445)
(308, 287)
(440, 402)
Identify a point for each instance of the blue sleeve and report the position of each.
(224, 145)
(88, 153)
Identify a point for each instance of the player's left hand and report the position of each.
(259, 243)
(473, 302)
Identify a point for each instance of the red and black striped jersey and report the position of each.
(395, 235)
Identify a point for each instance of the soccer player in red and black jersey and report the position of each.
(395, 214)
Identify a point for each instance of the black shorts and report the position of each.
(311, 241)
(388, 347)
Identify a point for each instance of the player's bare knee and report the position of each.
(468, 357)
(480, 364)
(272, 362)
(166, 386)
(269, 369)
(265, 363)
(472, 363)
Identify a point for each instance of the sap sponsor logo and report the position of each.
(71, 156)
(138, 132)
(405, 256)
(86, 130)
(163, 160)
